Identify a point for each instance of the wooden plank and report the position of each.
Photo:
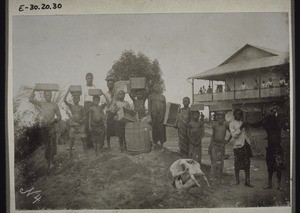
(171, 115)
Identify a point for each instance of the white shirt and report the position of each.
(263, 85)
(85, 93)
(243, 87)
(269, 84)
(238, 135)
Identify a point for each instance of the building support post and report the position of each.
(193, 91)
(234, 86)
(212, 88)
(259, 84)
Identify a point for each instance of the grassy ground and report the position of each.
(122, 181)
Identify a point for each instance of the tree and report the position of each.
(137, 65)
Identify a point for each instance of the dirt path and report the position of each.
(122, 181)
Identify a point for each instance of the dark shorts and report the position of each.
(242, 157)
(111, 124)
(275, 159)
(120, 129)
(49, 136)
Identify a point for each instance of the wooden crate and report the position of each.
(197, 107)
(75, 90)
(127, 115)
(93, 92)
(137, 83)
(46, 87)
(251, 116)
(171, 115)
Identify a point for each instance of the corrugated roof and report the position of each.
(251, 64)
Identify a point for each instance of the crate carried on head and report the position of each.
(251, 115)
(197, 107)
(75, 90)
(46, 87)
(94, 92)
(137, 84)
(171, 116)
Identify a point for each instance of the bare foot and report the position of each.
(280, 189)
(235, 184)
(268, 187)
(249, 185)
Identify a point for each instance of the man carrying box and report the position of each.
(48, 110)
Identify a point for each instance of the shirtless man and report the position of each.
(76, 123)
(96, 124)
(216, 148)
(139, 100)
(48, 110)
(195, 134)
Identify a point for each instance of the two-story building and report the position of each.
(252, 65)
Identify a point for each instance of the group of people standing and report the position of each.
(96, 117)
(191, 131)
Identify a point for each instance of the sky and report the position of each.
(62, 49)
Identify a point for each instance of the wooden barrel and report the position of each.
(137, 137)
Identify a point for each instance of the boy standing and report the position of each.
(87, 101)
(139, 102)
(76, 123)
(120, 125)
(241, 148)
(195, 134)
(110, 109)
(96, 124)
(48, 110)
(157, 109)
(216, 148)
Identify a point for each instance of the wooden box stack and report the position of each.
(251, 115)
(75, 90)
(46, 87)
(197, 107)
(127, 115)
(93, 92)
(137, 83)
(171, 115)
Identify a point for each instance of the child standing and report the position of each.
(120, 125)
(157, 110)
(76, 123)
(96, 124)
(195, 134)
(139, 102)
(216, 148)
(241, 148)
(48, 110)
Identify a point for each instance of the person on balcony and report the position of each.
(227, 89)
(282, 82)
(204, 90)
(255, 86)
(200, 91)
(269, 84)
(263, 85)
(209, 90)
(243, 86)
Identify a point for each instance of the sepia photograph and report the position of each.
(151, 111)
